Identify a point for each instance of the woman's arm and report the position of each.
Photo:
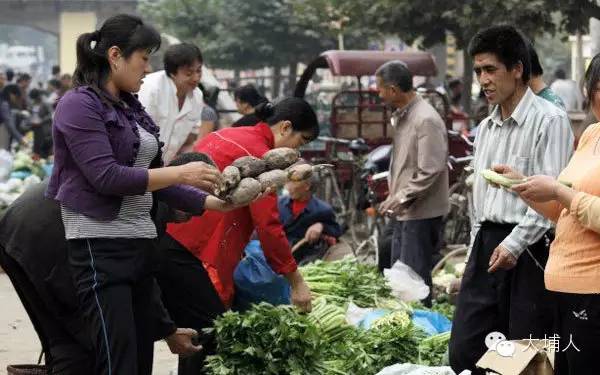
(586, 208)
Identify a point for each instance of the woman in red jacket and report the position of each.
(199, 287)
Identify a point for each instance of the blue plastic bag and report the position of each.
(255, 281)
(432, 323)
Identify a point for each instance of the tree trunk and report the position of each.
(467, 81)
(276, 87)
(292, 78)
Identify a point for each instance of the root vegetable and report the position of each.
(246, 191)
(280, 158)
(299, 172)
(250, 166)
(231, 178)
(275, 178)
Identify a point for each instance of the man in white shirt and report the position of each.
(567, 90)
(173, 100)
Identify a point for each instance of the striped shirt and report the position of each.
(134, 219)
(535, 140)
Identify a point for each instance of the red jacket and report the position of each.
(218, 239)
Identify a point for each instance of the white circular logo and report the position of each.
(492, 339)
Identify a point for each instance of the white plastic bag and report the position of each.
(406, 284)
(6, 163)
(410, 369)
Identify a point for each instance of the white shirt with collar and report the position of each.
(535, 139)
(158, 95)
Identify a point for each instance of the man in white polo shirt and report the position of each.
(173, 99)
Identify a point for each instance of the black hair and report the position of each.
(454, 82)
(536, 67)
(35, 94)
(591, 79)
(179, 55)
(560, 74)
(127, 32)
(506, 43)
(10, 74)
(11, 89)
(55, 83)
(189, 157)
(210, 94)
(23, 77)
(55, 69)
(295, 110)
(249, 94)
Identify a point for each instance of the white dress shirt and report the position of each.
(158, 95)
(535, 139)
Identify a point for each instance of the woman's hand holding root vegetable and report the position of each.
(200, 175)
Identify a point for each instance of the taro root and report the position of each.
(275, 178)
(299, 172)
(250, 166)
(247, 190)
(231, 178)
(280, 158)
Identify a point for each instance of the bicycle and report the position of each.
(343, 198)
(457, 223)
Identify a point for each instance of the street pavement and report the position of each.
(19, 343)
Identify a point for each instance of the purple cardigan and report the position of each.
(96, 141)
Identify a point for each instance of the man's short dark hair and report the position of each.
(506, 43)
(249, 94)
(23, 77)
(189, 157)
(178, 55)
(35, 94)
(55, 69)
(536, 67)
(560, 74)
(10, 74)
(396, 73)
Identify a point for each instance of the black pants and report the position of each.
(308, 253)
(513, 302)
(64, 355)
(577, 323)
(414, 243)
(121, 302)
(190, 298)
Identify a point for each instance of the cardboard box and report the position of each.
(526, 360)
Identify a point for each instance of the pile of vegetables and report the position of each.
(249, 176)
(433, 349)
(345, 281)
(279, 340)
(23, 162)
(266, 340)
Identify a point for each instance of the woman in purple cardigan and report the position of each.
(107, 172)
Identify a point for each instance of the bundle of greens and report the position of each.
(330, 320)
(24, 162)
(433, 349)
(345, 281)
(266, 340)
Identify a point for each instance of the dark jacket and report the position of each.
(316, 211)
(32, 233)
(96, 142)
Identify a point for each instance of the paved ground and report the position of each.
(19, 343)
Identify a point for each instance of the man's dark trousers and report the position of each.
(414, 242)
(513, 302)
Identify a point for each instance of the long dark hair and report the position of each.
(127, 32)
(295, 110)
(591, 79)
